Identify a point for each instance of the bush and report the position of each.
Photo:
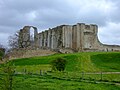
(8, 76)
(59, 64)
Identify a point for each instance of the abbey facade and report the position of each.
(79, 38)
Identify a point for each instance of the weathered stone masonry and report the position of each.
(79, 37)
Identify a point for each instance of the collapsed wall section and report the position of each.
(79, 38)
(51, 38)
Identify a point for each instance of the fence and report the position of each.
(79, 76)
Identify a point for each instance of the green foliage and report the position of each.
(59, 64)
(1, 54)
(8, 72)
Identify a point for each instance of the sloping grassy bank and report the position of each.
(70, 79)
(82, 62)
(107, 62)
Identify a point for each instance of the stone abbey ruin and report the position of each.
(78, 38)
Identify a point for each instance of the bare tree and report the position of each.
(13, 41)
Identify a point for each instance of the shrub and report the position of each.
(8, 76)
(59, 64)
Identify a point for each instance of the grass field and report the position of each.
(85, 62)
(48, 83)
(107, 62)
(71, 78)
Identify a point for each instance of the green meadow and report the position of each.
(83, 72)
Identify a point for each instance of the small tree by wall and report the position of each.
(13, 41)
(59, 64)
(2, 52)
(7, 80)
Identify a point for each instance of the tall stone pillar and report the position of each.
(60, 37)
(82, 28)
(52, 40)
(80, 36)
(20, 39)
(66, 39)
(42, 37)
(70, 36)
(63, 36)
(36, 42)
(67, 36)
(48, 39)
(74, 37)
(40, 40)
(55, 38)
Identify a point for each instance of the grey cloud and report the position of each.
(114, 15)
(7, 30)
(4, 39)
(14, 14)
(110, 33)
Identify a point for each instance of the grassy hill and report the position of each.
(87, 62)
(72, 78)
(107, 62)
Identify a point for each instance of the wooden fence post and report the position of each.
(101, 76)
(24, 70)
(45, 72)
(37, 73)
(82, 75)
(40, 72)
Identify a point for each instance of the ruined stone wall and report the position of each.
(24, 37)
(79, 37)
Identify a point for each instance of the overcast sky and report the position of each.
(44, 14)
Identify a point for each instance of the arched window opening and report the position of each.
(32, 35)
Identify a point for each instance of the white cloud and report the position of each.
(110, 34)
